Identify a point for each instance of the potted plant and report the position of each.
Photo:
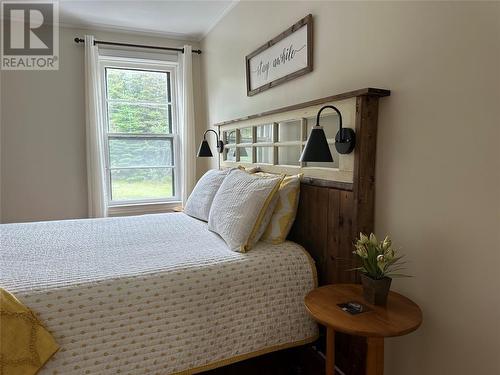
(379, 264)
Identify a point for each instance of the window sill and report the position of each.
(144, 208)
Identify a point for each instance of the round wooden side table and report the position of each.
(399, 317)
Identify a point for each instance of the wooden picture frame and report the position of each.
(264, 73)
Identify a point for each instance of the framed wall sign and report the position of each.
(285, 57)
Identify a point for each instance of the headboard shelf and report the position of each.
(369, 91)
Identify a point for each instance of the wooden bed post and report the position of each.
(364, 164)
(351, 350)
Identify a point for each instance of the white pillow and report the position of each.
(239, 206)
(199, 202)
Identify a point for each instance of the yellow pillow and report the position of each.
(285, 211)
(25, 344)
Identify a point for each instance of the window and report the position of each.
(279, 143)
(140, 132)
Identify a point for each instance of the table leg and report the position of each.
(375, 356)
(330, 351)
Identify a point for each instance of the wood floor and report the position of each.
(296, 361)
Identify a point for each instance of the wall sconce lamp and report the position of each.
(317, 149)
(204, 150)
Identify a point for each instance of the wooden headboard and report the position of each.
(336, 200)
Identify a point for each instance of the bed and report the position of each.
(160, 294)
(155, 294)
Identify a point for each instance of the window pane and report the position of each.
(245, 154)
(265, 133)
(147, 183)
(230, 136)
(141, 152)
(289, 131)
(264, 155)
(229, 154)
(289, 155)
(334, 164)
(246, 135)
(330, 125)
(134, 118)
(137, 85)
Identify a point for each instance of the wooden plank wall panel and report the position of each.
(339, 245)
(324, 227)
(311, 226)
(318, 226)
(345, 248)
(333, 267)
(347, 242)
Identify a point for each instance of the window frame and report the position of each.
(274, 143)
(127, 63)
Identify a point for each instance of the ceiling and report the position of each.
(180, 19)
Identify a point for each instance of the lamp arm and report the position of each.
(213, 131)
(220, 144)
(345, 139)
(340, 119)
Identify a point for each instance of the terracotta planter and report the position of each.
(375, 291)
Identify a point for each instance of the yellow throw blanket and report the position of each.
(25, 344)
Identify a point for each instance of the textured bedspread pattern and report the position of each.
(154, 294)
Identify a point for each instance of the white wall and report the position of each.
(438, 157)
(43, 165)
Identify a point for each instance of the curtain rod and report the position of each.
(80, 40)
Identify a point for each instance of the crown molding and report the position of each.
(95, 26)
(229, 8)
(129, 30)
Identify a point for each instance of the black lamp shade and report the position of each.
(204, 150)
(316, 148)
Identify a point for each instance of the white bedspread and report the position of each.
(154, 294)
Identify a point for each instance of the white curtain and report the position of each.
(97, 206)
(187, 127)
